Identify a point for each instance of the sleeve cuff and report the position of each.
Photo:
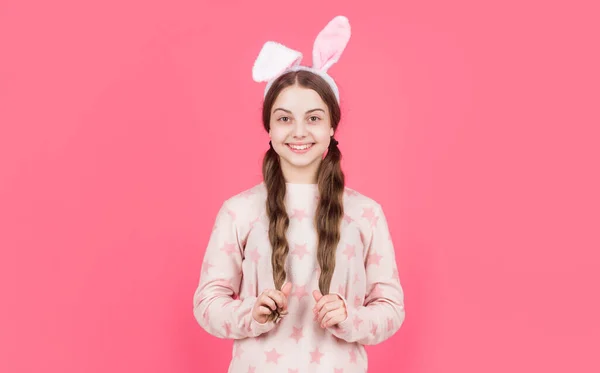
(344, 328)
(257, 328)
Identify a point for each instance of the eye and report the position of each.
(314, 118)
(284, 119)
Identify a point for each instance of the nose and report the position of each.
(300, 129)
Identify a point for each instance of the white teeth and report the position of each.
(300, 147)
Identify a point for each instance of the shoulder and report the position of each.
(354, 199)
(246, 202)
(363, 210)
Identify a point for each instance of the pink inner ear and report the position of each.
(330, 43)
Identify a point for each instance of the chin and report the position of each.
(301, 161)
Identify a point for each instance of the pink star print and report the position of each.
(206, 267)
(228, 248)
(299, 214)
(374, 259)
(348, 219)
(376, 292)
(315, 356)
(231, 213)
(395, 275)
(350, 251)
(350, 192)
(341, 289)
(251, 289)
(238, 352)
(352, 356)
(300, 291)
(357, 301)
(273, 356)
(369, 214)
(251, 369)
(336, 370)
(227, 327)
(390, 325)
(254, 255)
(292, 370)
(356, 279)
(357, 322)
(297, 334)
(300, 250)
(253, 222)
(374, 329)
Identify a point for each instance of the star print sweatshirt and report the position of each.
(237, 268)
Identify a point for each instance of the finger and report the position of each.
(328, 316)
(327, 307)
(285, 293)
(324, 300)
(287, 289)
(320, 312)
(317, 295)
(334, 318)
(263, 311)
(265, 300)
(277, 296)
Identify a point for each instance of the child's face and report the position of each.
(300, 116)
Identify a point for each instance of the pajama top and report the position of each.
(237, 268)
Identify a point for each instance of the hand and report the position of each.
(329, 310)
(271, 303)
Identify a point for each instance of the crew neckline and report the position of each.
(301, 185)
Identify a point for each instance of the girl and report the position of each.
(300, 270)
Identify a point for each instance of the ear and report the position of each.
(330, 43)
(274, 59)
(331, 132)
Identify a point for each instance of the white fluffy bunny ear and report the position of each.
(274, 59)
(330, 43)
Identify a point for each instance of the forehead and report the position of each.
(296, 98)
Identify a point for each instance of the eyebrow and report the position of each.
(309, 111)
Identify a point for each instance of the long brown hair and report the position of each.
(330, 180)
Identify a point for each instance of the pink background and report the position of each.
(125, 124)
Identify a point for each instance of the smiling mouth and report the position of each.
(300, 148)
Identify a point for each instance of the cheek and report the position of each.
(322, 135)
(277, 134)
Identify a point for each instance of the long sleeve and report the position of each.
(217, 306)
(382, 312)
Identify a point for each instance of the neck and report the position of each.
(300, 175)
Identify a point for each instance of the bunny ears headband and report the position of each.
(276, 59)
